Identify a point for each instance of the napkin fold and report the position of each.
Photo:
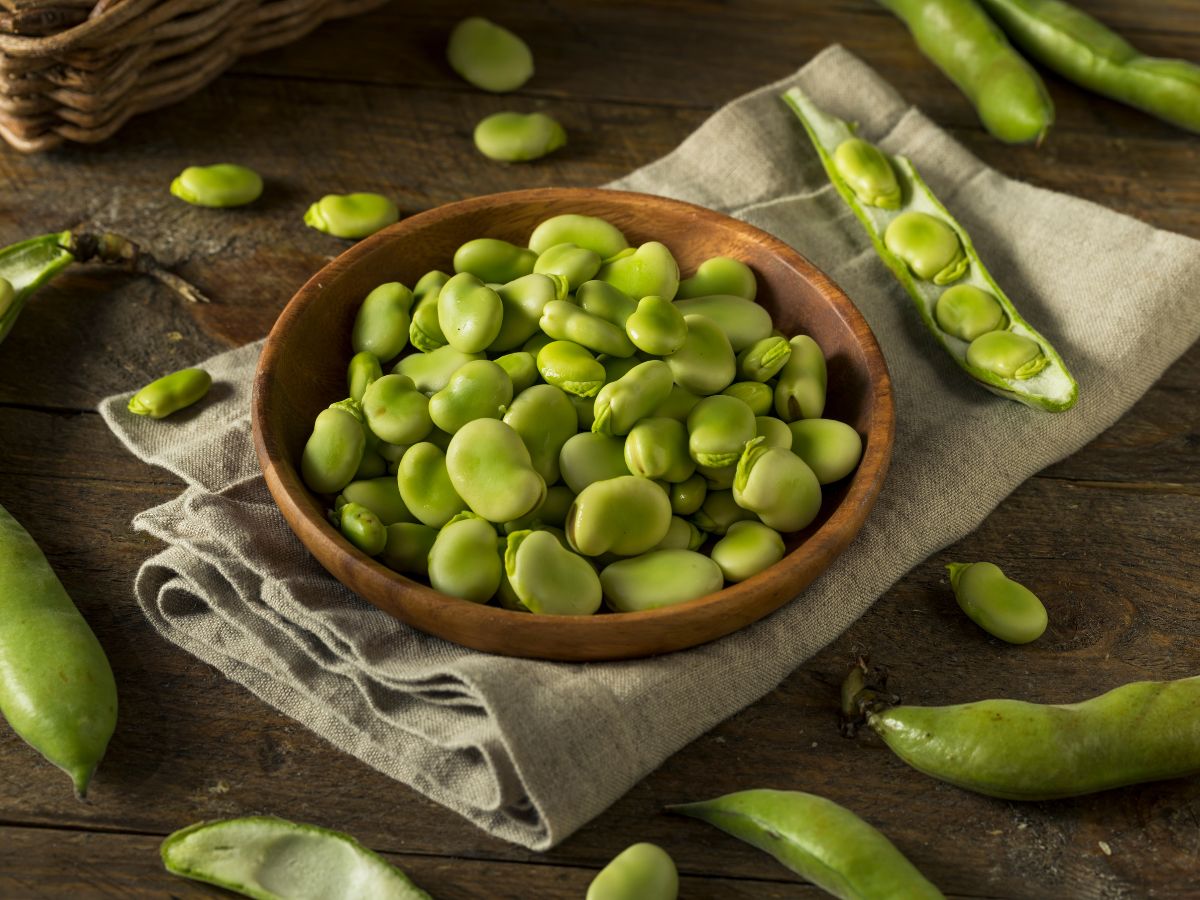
(531, 750)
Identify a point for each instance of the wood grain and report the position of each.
(1107, 537)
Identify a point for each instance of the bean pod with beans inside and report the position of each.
(565, 433)
(931, 255)
(1142, 731)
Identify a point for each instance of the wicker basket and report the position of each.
(76, 70)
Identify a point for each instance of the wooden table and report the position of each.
(1107, 538)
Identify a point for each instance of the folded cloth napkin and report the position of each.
(532, 750)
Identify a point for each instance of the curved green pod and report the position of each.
(1076, 46)
(819, 840)
(1045, 385)
(960, 39)
(56, 687)
(1142, 731)
(273, 859)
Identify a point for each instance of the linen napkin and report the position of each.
(532, 750)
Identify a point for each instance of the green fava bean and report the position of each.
(492, 470)
(868, 173)
(617, 367)
(718, 511)
(623, 515)
(718, 429)
(830, 448)
(171, 393)
(351, 215)
(705, 364)
(363, 371)
(640, 872)
(536, 343)
(609, 303)
(762, 360)
(658, 448)
(589, 457)
(776, 432)
(756, 395)
(682, 535)
(382, 323)
(545, 420)
(650, 270)
(222, 185)
(997, 604)
(820, 841)
(678, 404)
(334, 449)
(425, 329)
(743, 321)
(396, 411)
(431, 371)
(429, 283)
(622, 403)
(362, 528)
(470, 313)
(524, 300)
(661, 578)
(657, 327)
(1007, 354)
(521, 369)
(747, 549)
(778, 486)
(549, 579)
(373, 465)
(576, 264)
(463, 561)
(718, 478)
(570, 367)
(56, 686)
(585, 410)
(425, 485)
(929, 246)
(519, 137)
(590, 232)
(381, 496)
(687, 496)
(565, 321)
(494, 261)
(489, 56)
(407, 548)
(800, 390)
(966, 312)
(479, 390)
(719, 275)
(552, 512)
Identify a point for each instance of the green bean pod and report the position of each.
(171, 393)
(960, 39)
(819, 840)
(1007, 366)
(1142, 731)
(56, 687)
(1076, 46)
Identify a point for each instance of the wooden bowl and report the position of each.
(303, 369)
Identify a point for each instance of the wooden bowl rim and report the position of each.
(423, 603)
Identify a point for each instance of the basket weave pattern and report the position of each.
(77, 70)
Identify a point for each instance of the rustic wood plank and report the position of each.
(1122, 607)
(54, 863)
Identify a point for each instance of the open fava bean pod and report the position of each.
(932, 256)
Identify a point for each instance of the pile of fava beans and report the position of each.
(573, 422)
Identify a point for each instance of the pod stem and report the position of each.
(113, 249)
(864, 693)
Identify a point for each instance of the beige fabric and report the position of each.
(530, 750)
